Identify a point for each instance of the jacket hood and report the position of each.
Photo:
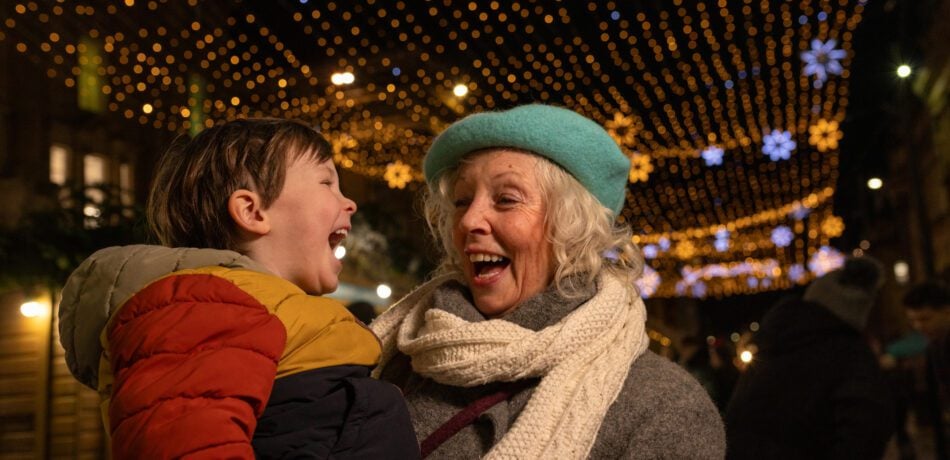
(793, 323)
(104, 281)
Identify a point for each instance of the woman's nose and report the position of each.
(474, 220)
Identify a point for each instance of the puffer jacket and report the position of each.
(202, 353)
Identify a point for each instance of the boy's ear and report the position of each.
(247, 212)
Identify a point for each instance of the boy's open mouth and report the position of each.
(337, 237)
(486, 265)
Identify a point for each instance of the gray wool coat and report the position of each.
(661, 413)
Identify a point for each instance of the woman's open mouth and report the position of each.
(486, 266)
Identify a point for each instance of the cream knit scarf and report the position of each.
(582, 361)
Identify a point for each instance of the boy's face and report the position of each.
(309, 219)
(933, 322)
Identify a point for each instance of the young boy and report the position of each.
(225, 351)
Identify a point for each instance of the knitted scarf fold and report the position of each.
(582, 360)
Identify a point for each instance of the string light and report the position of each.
(694, 92)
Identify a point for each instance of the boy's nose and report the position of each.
(349, 205)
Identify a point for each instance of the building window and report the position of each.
(95, 175)
(126, 184)
(58, 165)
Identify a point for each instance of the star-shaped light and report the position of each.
(622, 129)
(684, 250)
(640, 167)
(712, 155)
(832, 226)
(343, 144)
(398, 174)
(778, 145)
(825, 135)
(823, 59)
(782, 236)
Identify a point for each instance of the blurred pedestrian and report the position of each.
(815, 390)
(927, 306)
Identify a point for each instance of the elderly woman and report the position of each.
(533, 343)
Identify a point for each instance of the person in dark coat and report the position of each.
(815, 390)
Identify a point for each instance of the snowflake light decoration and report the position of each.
(825, 135)
(722, 240)
(721, 245)
(398, 174)
(778, 145)
(640, 168)
(699, 289)
(823, 59)
(650, 251)
(648, 282)
(622, 129)
(796, 272)
(825, 260)
(712, 155)
(782, 236)
(799, 212)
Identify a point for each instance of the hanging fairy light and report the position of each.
(682, 87)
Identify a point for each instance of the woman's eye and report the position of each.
(506, 199)
(461, 202)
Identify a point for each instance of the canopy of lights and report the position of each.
(728, 110)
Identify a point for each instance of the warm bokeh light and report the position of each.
(342, 78)
(339, 252)
(33, 309)
(384, 291)
(460, 90)
(903, 71)
(875, 183)
(746, 356)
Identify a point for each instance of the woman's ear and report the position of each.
(248, 213)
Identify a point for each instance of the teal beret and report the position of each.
(577, 144)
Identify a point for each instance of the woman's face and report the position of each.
(498, 230)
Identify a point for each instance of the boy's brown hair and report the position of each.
(187, 204)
